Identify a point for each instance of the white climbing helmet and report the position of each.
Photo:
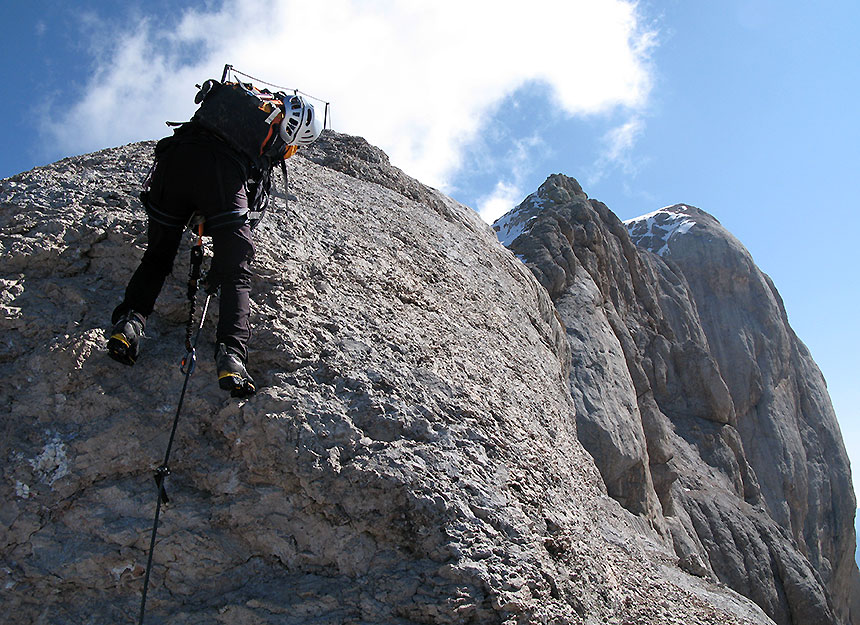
(301, 126)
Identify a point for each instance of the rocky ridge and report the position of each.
(412, 456)
(703, 411)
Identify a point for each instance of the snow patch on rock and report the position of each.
(519, 220)
(654, 230)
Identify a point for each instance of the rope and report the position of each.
(161, 473)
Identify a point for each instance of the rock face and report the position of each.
(705, 414)
(412, 456)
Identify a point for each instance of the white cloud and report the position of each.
(618, 144)
(508, 192)
(499, 201)
(414, 78)
(620, 139)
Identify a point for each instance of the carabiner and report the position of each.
(184, 364)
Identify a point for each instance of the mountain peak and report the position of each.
(557, 189)
(709, 363)
(654, 230)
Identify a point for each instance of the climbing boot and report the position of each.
(124, 343)
(232, 375)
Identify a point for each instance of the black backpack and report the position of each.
(246, 119)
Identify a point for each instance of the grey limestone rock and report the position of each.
(411, 457)
(702, 410)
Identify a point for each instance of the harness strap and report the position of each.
(286, 186)
(194, 274)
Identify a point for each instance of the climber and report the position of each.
(202, 173)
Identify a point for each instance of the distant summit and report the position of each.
(556, 188)
(654, 230)
(703, 411)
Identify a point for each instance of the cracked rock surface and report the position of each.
(703, 411)
(411, 457)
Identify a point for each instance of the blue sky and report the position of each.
(744, 108)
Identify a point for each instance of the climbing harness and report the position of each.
(187, 367)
